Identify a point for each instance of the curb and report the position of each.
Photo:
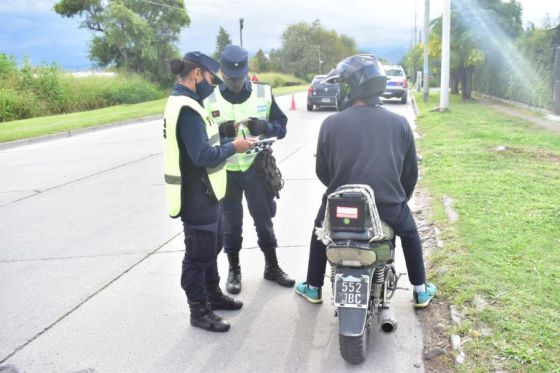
(79, 131)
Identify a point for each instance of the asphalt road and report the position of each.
(90, 266)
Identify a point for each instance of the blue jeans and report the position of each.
(262, 208)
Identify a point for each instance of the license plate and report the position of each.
(326, 100)
(350, 291)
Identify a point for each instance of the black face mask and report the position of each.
(235, 85)
(204, 89)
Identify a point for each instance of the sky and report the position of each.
(31, 28)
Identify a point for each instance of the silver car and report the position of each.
(397, 85)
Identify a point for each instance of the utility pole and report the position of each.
(320, 62)
(241, 31)
(445, 41)
(415, 28)
(426, 73)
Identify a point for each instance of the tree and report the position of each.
(259, 63)
(136, 36)
(222, 40)
(307, 49)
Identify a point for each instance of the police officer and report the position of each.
(233, 101)
(195, 179)
(367, 144)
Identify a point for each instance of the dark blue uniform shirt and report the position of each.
(196, 154)
(277, 120)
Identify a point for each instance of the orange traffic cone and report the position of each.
(293, 105)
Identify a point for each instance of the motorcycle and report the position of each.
(361, 253)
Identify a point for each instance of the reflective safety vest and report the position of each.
(173, 180)
(256, 106)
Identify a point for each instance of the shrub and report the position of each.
(19, 105)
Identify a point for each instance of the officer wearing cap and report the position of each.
(232, 102)
(195, 180)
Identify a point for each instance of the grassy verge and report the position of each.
(23, 129)
(504, 245)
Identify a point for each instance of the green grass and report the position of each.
(27, 128)
(504, 246)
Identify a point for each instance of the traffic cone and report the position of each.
(293, 105)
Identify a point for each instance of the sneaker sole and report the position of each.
(423, 305)
(311, 300)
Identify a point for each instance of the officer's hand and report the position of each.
(242, 145)
(227, 129)
(257, 126)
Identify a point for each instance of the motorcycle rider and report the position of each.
(233, 101)
(367, 144)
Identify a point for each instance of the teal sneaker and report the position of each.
(422, 300)
(312, 295)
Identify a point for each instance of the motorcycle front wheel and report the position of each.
(353, 349)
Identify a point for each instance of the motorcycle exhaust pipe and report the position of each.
(387, 321)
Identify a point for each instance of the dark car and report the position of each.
(321, 93)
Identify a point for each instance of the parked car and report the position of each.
(397, 85)
(321, 93)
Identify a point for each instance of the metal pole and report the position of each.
(320, 62)
(556, 94)
(445, 41)
(426, 73)
(241, 31)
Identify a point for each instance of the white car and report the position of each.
(397, 85)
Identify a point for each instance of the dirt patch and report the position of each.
(435, 319)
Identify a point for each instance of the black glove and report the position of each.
(227, 129)
(257, 126)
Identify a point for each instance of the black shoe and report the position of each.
(273, 272)
(203, 317)
(233, 283)
(219, 301)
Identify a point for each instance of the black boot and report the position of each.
(273, 272)
(233, 284)
(219, 301)
(203, 317)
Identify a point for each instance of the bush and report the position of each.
(19, 105)
(45, 90)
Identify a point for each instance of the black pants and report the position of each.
(260, 203)
(203, 242)
(397, 217)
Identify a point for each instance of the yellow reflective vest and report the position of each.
(173, 180)
(256, 106)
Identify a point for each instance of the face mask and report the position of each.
(204, 89)
(234, 85)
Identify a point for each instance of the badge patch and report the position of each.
(215, 113)
(262, 108)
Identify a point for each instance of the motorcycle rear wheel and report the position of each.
(353, 349)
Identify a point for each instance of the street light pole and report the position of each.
(445, 41)
(426, 73)
(241, 31)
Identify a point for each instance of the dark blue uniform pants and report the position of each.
(397, 217)
(262, 208)
(202, 245)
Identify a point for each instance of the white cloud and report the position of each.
(26, 6)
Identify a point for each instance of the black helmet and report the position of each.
(359, 76)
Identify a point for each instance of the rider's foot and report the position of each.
(422, 299)
(312, 294)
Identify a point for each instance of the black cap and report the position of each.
(206, 63)
(234, 61)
